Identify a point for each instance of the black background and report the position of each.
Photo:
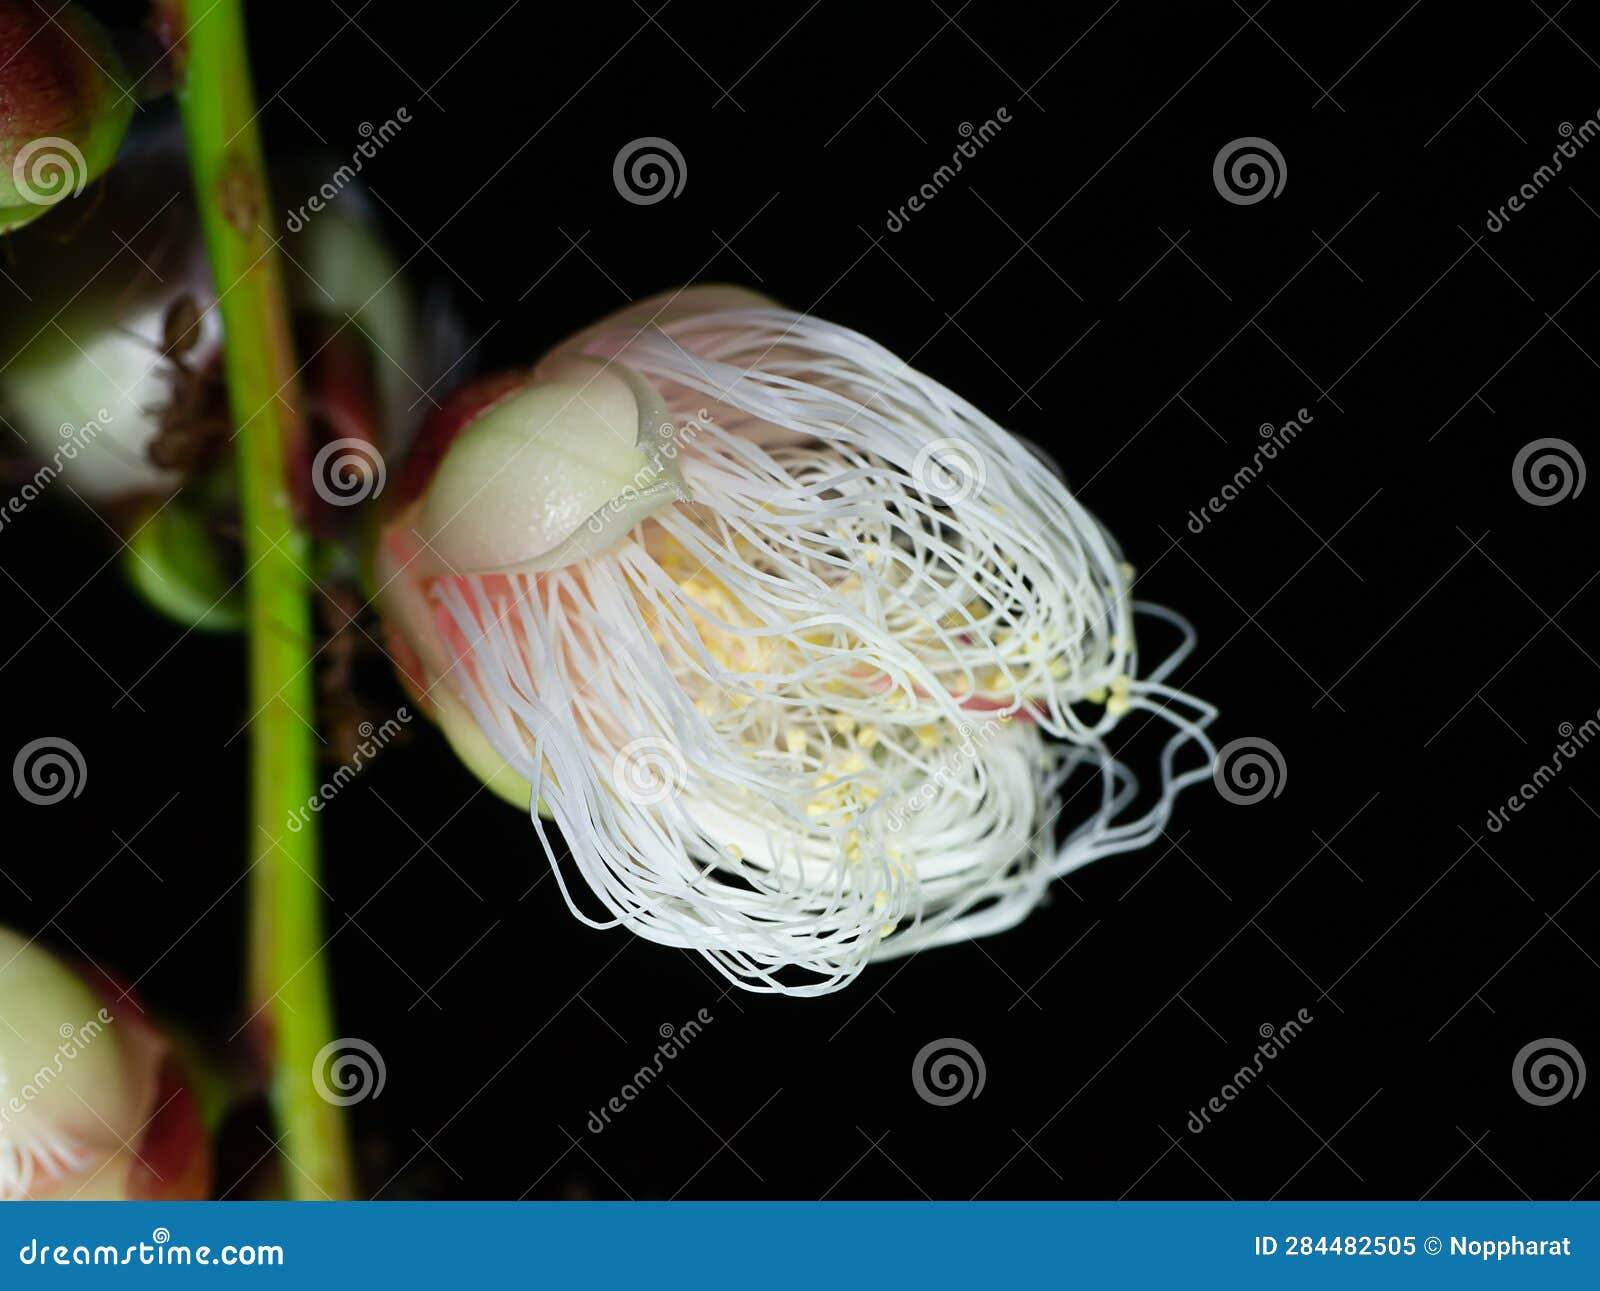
(1381, 605)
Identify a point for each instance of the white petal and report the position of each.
(556, 472)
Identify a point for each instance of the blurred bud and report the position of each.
(345, 281)
(111, 372)
(64, 106)
(113, 339)
(104, 325)
(93, 1102)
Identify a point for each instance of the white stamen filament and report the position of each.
(835, 707)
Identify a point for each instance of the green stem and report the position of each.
(288, 980)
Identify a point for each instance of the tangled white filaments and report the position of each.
(880, 647)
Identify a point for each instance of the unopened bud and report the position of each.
(64, 106)
(92, 1100)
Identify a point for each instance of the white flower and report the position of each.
(822, 673)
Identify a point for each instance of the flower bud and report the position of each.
(118, 349)
(93, 1104)
(92, 371)
(112, 373)
(64, 106)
